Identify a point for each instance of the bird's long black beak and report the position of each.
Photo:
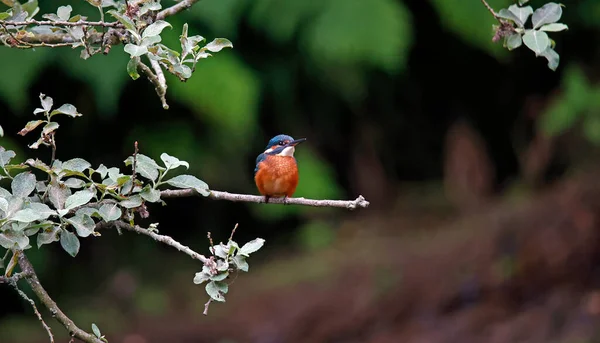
(296, 142)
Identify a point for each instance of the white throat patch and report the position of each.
(287, 151)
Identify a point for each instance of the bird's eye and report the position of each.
(281, 143)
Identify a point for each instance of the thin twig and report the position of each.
(45, 298)
(218, 195)
(135, 152)
(35, 310)
(162, 81)
(489, 8)
(160, 90)
(233, 232)
(210, 241)
(162, 239)
(205, 312)
(180, 6)
(15, 278)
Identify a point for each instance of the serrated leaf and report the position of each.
(23, 184)
(110, 212)
(218, 44)
(173, 162)
(554, 27)
(30, 126)
(189, 181)
(50, 127)
(132, 201)
(96, 331)
(251, 246)
(537, 41)
(5, 156)
(201, 277)
(67, 109)
(155, 28)
(135, 50)
(83, 224)
(64, 12)
(513, 41)
(549, 13)
(69, 242)
(216, 289)
(522, 13)
(150, 194)
(76, 164)
(79, 198)
(240, 263)
(48, 236)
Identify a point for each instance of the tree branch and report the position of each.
(162, 239)
(218, 195)
(13, 283)
(161, 88)
(61, 23)
(169, 11)
(45, 298)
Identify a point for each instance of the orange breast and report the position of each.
(277, 176)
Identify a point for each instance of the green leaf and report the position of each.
(155, 28)
(69, 242)
(76, 164)
(110, 212)
(102, 170)
(150, 194)
(23, 184)
(3, 206)
(132, 66)
(549, 13)
(132, 201)
(6, 156)
(216, 289)
(189, 181)
(83, 224)
(145, 166)
(26, 216)
(64, 12)
(123, 19)
(67, 109)
(220, 277)
(218, 44)
(552, 57)
(96, 331)
(9, 239)
(513, 41)
(30, 126)
(251, 246)
(48, 236)
(135, 50)
(173, 162)
(240, 263)
(537, 41)
(522, 13)
(554, 27)
(74, 183)
(58, 194)
(220, 250)
(79, 198)
(50, 127)
(201, 277)
(149, 6)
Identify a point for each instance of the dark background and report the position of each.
(450, 137)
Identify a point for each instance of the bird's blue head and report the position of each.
(281, 144)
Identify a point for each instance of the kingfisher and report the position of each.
(276, 172)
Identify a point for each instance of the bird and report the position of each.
(276, 172)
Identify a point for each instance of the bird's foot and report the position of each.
(285, 200)
(266, 199)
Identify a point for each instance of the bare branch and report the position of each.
(160, 88)
(45, 298)
(35, 310)
(161, 80)
(12, 24)
(205, 312)
(218, 195)
(162, 239)
(15, 278)
(489, 8)
(169, 11)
